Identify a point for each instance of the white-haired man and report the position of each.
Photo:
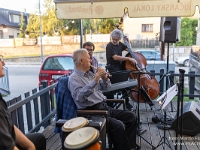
(114, 56)
(85, 88)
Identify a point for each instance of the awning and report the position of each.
(80, 9)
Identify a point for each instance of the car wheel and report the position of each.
(186, 63)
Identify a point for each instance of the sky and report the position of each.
(20, 5)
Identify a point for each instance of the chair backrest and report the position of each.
(120, 76)
(65, 106)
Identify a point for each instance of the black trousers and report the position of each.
(38, 139)
(122, 126)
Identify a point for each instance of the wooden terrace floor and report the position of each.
(152, 134)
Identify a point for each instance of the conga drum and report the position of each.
(71, 125)
(86, 138)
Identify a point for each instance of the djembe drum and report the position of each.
(85, 138)
(72, 125)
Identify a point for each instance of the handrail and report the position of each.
(28, 99)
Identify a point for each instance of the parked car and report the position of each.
(149, 54)
(182, 60)
(55, 66)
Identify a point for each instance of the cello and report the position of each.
(149, 86)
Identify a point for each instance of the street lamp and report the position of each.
(41, 34)
(81, 32)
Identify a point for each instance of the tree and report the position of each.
(50, 23)
(22, 26)
(188, 32)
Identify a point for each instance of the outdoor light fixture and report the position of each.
(66, 27)
(5, 29)
(56, 30)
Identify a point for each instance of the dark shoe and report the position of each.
(128, 105)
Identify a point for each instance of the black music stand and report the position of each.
(180, 104)
(167, 75)
(164, 100)
(120, 76)
(138, 109)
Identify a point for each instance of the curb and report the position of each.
(23, 63)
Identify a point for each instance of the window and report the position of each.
(14, 18)
(147, 27)
(11, 36)
(59, 63)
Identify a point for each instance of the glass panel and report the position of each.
(14, 18)
(59, 63)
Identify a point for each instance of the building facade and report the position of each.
(141, 28)
(10, 23)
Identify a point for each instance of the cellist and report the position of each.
(114, 56)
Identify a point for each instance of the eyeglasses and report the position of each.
(1, 58)
(90, 50)
(115, 39)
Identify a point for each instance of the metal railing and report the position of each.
(36, 110)
(4, 82)
(40, 105)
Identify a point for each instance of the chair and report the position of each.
(66, 108)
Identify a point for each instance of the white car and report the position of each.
(183, 60)
(149, 54)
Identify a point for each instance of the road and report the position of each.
(22, 78)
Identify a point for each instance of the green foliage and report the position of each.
(188, 32)
(22, 26)
(33, 26)
(50, 24)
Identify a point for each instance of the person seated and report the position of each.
(85, 88)
(11, 138)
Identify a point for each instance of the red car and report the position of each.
(55, 66)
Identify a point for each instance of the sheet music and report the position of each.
(167, 96)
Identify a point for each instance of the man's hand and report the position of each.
(101, 73)
(132, 60)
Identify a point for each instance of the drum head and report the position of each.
(74, 124)
(81, 138)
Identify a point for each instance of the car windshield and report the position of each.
(59, 63)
